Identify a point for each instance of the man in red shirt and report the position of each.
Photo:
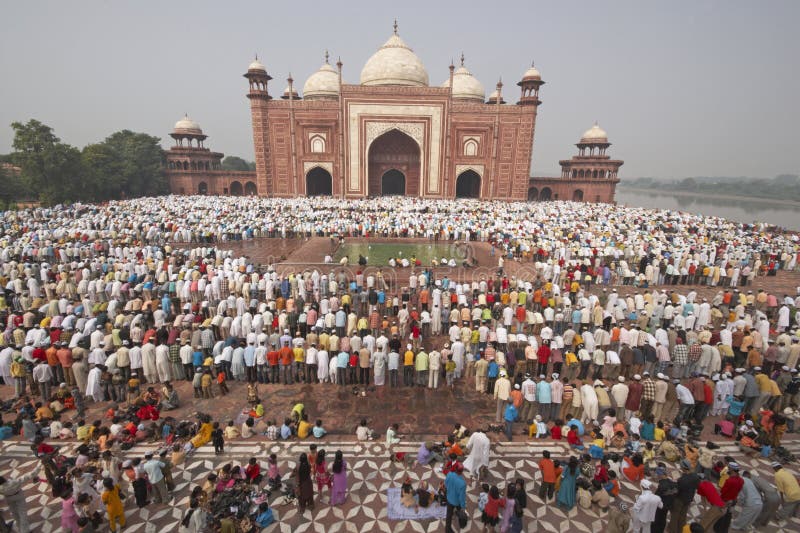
(708, 491)
(733, 485)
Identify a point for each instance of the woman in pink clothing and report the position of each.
(69, 518)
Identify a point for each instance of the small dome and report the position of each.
(493, 98)
(532, 74)
(324, 83)
(594, 135)
(293, 93)
(394, 64)
(257, 65)
(187, 125)
(465, 85)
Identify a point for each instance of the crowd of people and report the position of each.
(600, 338)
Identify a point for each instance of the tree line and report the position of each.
(783, 186)
(125, 164)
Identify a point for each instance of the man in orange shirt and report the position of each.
(516, 396)
(285, 354)
(272, 359)
(548, 470)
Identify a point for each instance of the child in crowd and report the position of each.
(612, 485)
(659, 433)
(483, 497)
(555, 431)
(634, 444)
(273, 474)
(318, 430)
(217, 439)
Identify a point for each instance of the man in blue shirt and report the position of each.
(341, 367)
(510, 416)
(456, 489)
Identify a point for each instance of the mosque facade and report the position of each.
(393, 133)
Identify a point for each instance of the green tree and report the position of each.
(688, 184)
(101, 172)
(129, 165)
(232, 162)
(50, 168)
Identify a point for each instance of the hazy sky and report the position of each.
(684, 88)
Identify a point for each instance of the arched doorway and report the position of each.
(319, 182)
(394, 151)
(202, 188)
(533, 194)
(236, 188)
(250, 189)
(468, 185)
(545, 195)
(577, 195)
(393, 182)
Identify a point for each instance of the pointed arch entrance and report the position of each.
(468, 185)
(236, 188)
(533, 194)
(250, 189)
(319, 182)
(392, 156)
(577, 196)
(393, 182)
(545, 195)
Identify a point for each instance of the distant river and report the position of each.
(784, 214)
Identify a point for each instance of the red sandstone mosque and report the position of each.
(392, 133)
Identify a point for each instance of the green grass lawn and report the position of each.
(379, 254)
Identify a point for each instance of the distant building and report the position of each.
(191, 168)
(590, 176)
(392, 133)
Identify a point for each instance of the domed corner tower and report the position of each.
(191, 168)
(589, 176)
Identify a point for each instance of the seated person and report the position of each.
(424, 495)
(633, 468)
(453, 448)
(600, 496)
(408, 496)
(231, 431)
(303, 427)
(318, 431)
(170, 398)
(247, 428)
(43, 413)
(427, 453)
(362, 431)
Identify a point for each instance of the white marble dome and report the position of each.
(324, 83)
(257, 65)
(187, 125)
(595, 134)
(465, 85)
(394, 64)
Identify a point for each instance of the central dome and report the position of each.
(394, 64)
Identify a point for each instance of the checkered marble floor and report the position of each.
(371, 473)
